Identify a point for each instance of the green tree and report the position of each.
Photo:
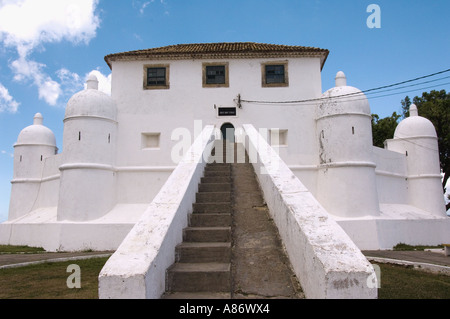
(406, 103)
(435, 106)
(383, 129)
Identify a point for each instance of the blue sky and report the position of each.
(48, 47)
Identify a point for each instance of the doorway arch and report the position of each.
(227, 130)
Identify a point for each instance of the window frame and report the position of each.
(156, 66)
(205, 65)
(264, 66)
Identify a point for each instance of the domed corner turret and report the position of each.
(36, 134)
(344, 124)
(90, 126)
(34, 144)
(343, 99)
(88, 157)
(91, 103)
(416, 138)
(346, 180)
(415, 126)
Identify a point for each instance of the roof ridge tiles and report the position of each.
(218, 50)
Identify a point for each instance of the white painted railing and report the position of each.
(137, 269)
(326, 261)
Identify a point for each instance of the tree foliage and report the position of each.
(383, 129)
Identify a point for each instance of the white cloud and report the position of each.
(7, 102)
(137, 37)
(27, 24)
(145, 6)
(104, 81)
(142, 5)
(65, 76)
(26, 70)
(70, 82)
(50, 91)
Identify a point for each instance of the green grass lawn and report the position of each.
(405, 247)
(49, 281)
(400, 282)
(7, 249)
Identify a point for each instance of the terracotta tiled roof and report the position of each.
(219, 51)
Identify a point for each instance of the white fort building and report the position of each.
(119, 151)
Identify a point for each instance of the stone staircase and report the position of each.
(215, 261)
(202, 267)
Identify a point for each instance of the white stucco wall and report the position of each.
(391, 174)
(35, 182)
(162, 111)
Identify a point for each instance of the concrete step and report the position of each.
(212, 207)
(213, 197)
(220, 167)
(220, 173)
(192, 252)
(194, 277)
(215, 179)
(210, 220)
(214, 187)
(202, 269)
(207, 234)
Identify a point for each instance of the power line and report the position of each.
(424, 88)
(407, 81)
(357, 93)
(402, 87)
(358, 96)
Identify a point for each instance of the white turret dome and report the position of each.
(343, 99)
(91, 102)
(415, 126)
(36, 134)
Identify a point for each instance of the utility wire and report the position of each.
(358, 93)
(402, 87)
(358, 96)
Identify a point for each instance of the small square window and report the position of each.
(278, 137)
(156, 77)
(274, 74)
(215, 75)
(150, 141)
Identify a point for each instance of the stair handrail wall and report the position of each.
(137, 269)
(326, 261)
